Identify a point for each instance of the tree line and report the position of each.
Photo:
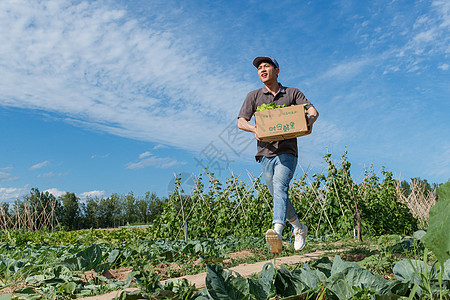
(42, 209)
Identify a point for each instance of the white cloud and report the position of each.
(100, 156)
(39, 165)
(443, 8)
(144, 155)
(6, 177)
(347, 70)
(46, 175)
(9, 194)
(425, 36)
(402, 39)
(159, 146)
(103, 69)
(55, 192)
(443, 67)
(438, 164)
(51, 174)
(91, 194)
(153, 161)
(430, 35)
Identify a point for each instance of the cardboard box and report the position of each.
(281, 123)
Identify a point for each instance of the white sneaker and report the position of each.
(300, 235)
(274, 240)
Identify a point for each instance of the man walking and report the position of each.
(278, 159)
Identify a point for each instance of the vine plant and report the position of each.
(328, 203)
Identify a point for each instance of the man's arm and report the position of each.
(246, 126)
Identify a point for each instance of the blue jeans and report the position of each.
(278, 172)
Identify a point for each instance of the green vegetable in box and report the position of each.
(271, 105)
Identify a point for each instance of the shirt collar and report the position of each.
(282, 89)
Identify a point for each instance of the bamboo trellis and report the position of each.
(418, 202)
(28, 217)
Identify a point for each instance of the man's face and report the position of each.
(267, 72)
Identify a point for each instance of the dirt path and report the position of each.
(244, 270)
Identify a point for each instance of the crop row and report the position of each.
(59, 271)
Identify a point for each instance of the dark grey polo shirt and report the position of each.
(286, 95)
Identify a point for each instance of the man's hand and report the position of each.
(256, 137)
(246, 126)
(309, 124)
(311, 116)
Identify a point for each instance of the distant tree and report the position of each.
(130, 209)
(156, 207)
(405, 188)
(91, 213)
(110, 211)
(105, 214)
(142, 207)
(116, 208)
(147, 207)
(70, 211)
(42, 210)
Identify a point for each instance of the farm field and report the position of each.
(365, 241)
(68, 265)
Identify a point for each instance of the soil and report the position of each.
(116, 274)
(12, 288)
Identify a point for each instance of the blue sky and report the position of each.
(101, 97)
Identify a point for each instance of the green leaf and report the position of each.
(72, 263)
(410, 270)
(59, 271)
(446, 275)
(312, 278)
(339, 265)
(68, 288)
(5, 297)
(121, 296)
(346, 275)
(92, 256)
(288, 283)
(263, 288)
(33, 280)
(437, 238)
(444, 191)
(222, 284)
(324, 265)
(113, 255)
(419, 234)
(27, 293)
(85, 260)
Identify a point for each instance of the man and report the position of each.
(278, 159)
